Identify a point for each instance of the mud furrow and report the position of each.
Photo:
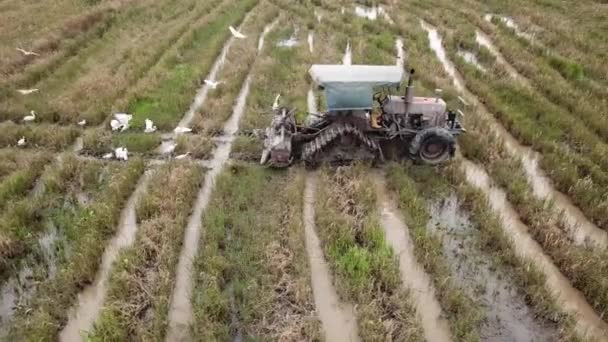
(588, 323)
(337, 318)
(180, 312)
(267, 29)
(581, 229)
(413, 276)
(91, 298)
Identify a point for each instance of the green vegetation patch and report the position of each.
(365, 267)
(252, 276)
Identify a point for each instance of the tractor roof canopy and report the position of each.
(349, 87)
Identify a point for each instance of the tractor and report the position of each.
(364, 120)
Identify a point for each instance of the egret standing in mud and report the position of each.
(30, 117)
(150, 128)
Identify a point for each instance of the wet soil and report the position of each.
(337, 318)
(588, 323)
(508, 318)
(413, 276)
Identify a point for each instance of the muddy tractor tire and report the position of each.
(432, 146)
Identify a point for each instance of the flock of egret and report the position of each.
(121, 121)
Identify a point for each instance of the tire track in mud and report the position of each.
(580, 228)
(587, 321)
(337, 318)
(413, 276)
(91, 298)
(180, 311)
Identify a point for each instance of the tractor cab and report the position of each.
(352, 87)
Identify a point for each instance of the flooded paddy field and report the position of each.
(132, 205)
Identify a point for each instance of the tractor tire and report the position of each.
(432, 146)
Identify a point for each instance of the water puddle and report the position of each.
(267, 29)
(436, 45)
(337, 318)
(348, 55)
(291, 41)
(471, 58)
(413, 276)
(483, 40)
(580, 229)
(400, 53)
(372, 13)
(47, 243)
(311, 41)
(510, 23)
(14, 294)
(508, 317)
(78, 145)
(588, 323)
(180, 312)
(90, 300)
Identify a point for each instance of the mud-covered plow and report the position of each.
(363, 121)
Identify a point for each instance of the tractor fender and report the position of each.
(438, 137)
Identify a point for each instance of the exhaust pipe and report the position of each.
(409, 91)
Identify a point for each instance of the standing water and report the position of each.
(471, 58)
(400, 53)
(588, 323)
(437, 46)
(510, 23)
(90, 300)
(311, 39)
(413, 276)
(337, 318)
(508, 316)
(580, 229)
(348, 55)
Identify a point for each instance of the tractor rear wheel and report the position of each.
(432, 146)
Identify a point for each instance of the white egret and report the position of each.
(150, 128)
(180, 130)
(212, 84)
(27, 91)
(275, 105)
(21, 142)
(27, 53)
(182, 156)
(121, 153)
(236, 33)
(30, 117)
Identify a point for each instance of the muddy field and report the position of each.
(162, 226)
